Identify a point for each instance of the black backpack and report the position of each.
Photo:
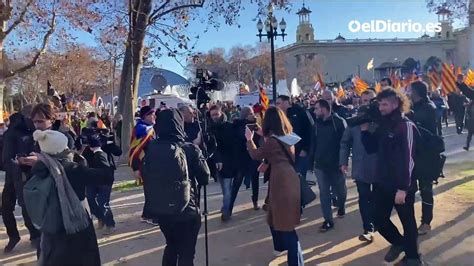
(165, 178)
(429, 160)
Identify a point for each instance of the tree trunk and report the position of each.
(125, 79)
(131, 93)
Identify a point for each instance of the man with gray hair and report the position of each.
(337, 108)
(191, 125)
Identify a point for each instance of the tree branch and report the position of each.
(155, 12)
(156, 16)
(19, 19)
(41, 51)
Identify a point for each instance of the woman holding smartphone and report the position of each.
(284, 208)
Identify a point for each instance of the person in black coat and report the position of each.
(18, 141)
(302, 122)
(223, 158)
(181, 230)
(324, 155)
(246, 166)
(424, 115)
(61, 248)
(469, 93)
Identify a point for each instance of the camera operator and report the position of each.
(424, 116)
(393, 142)
(363, 169)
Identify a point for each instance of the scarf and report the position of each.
(75, 218)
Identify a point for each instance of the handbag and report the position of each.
(307, 194)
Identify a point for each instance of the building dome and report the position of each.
(152, 78)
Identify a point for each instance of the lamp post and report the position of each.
(271, 27)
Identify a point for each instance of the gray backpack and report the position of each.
(42, 203)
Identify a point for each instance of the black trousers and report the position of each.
(384, 203)
(250, 170)
(427, 200)
(181, 239)
(9, 198)
(469, 138)
(459, 119)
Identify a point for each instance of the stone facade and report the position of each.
(339, 59)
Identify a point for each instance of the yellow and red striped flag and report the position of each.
(434, 79)
(340, 92)
(448, 80)
(396, 84)
(264, 101)
(359, 85)
(458, 71)
(469, 79)
(321, 81)
(378, 87)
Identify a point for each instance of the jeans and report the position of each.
(384, 203)
(181, 239)
(98, 198)
(302, 164)
(288, 241)
(226, 186)
(326, 181)
(366, 205)
(9, 198)
(252, 172)
(426, 193)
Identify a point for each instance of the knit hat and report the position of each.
(145, 111)
(50, 141)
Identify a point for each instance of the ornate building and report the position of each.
(337, 60)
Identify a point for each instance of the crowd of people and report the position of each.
(391, 141)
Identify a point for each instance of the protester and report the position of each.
(469, 93)
(141, 135)
(385, 83)
(181, 227)
(393, 142)
(67, 234)
(191, 125)
(424, 116)
(284, 202)
(363, 171)
(339, 109)
(302, 122)
(441, 107)
(224, 157)
(17, 142)
(324, 155)
(246, 167)
(457, 105)
(98, 196)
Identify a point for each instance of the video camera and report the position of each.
(207, 81)
(366, 114)
(103, 135)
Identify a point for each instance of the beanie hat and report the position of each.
(145, 111)
(50, 141)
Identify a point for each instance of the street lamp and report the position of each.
(271, 27)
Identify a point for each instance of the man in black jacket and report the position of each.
(224, 156)
(394, 143)
(18, 141)
(181, 230)
(424, 115)
(336, 107)
(302, 122)
(325, 145)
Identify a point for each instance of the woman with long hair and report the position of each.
(284, 200)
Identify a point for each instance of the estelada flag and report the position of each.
(469, 79)
(264, 101)
(340, 92)
(378, 87)
(448, 80)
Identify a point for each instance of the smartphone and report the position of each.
(253, 127)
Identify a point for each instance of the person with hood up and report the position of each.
(67, 233)
(180, 229)
(284, 197)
